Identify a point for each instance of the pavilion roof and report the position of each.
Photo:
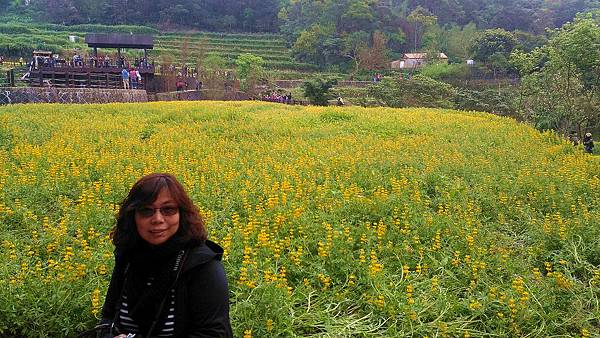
(120, 40)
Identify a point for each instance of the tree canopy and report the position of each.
(561, 80)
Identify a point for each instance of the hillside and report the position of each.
(335, 222)
(18, 40)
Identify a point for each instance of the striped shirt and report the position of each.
(164, 329)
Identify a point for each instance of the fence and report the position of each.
(12, 95)
(7, 78)
(65, 78)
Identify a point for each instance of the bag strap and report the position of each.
(119, 301)
(178, 267)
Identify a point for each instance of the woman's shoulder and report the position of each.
(202, 254)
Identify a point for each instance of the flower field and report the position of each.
(335, 221)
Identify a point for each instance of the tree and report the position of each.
(420, 91)
(308, 46)
(357, 16)
(215, 73)
(375, 57)
(318, 44)
(492, 42)
(421, 20)
(458, 42)
(354, 44)
(250, 70)
(318, 90)
(493, 48)
(561, 80)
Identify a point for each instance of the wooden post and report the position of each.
(88, 80)
(11, 77)
(41, 78)
(106, 81)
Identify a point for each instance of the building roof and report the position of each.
(120, 40)
(42, 53)
(422, 56)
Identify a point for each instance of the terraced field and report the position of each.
(272, 48)
(19, 40)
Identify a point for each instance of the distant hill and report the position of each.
(270, 15)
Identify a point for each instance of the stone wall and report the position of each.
(12, 95)
(203, 94)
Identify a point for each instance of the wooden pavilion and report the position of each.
(93, 72)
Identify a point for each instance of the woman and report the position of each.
(168, 279)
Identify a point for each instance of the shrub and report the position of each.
(488, 100)
(317, 90)
(441, 71)
(420, 91)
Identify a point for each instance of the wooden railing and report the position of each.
(77, 78)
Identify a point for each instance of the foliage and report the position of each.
(456, 42)
(291, 17)
(249, 70)
(317, 90)
(317, 45)
(444, 71)
(335, 221)
(375, 57)
(492, 43)
(254, 16)
(493, 48)
(420, 91)
(488, 100)
(422, 21)
(561, 83)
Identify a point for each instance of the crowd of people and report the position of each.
(77, 60)
(132, 79)
(279, 98)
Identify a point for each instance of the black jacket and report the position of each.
(202, 296)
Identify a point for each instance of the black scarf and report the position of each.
(156, 263)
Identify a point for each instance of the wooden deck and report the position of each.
(84, 77)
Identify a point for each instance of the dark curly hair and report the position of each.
(145, 191)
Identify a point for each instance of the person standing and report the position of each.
(125, 77)
(133, 75)
(588, 143)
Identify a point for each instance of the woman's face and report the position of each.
(159, 221)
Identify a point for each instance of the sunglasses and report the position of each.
(149, 212)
